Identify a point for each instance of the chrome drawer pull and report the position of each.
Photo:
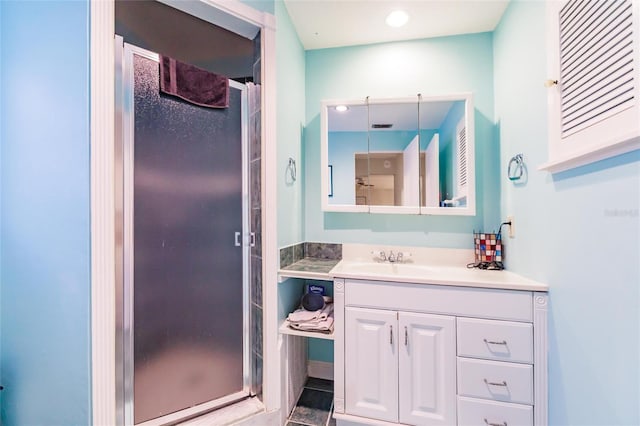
(490, 342)
(406, 336)
(391, 334)
(495, 424)
(504, 383)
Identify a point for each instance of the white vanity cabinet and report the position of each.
(422, 354)
(400, 366)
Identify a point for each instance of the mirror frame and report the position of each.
(468, 210)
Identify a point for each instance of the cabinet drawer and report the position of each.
(474, 412)
(507, 305)
(500, 381)
(497, 340)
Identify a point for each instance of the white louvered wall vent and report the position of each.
(462, 158)
(596, 62)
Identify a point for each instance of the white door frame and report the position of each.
(103, 241)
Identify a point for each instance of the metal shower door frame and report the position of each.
(124, 175)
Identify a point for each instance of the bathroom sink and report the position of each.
(385, 269)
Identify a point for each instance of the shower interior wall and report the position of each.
(255, 188)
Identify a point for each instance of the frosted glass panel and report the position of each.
(188, 320)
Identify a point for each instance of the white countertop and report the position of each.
(434, 274)
(420, 265)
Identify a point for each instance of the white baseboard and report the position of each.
(320, 369)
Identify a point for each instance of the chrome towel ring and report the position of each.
(515, 170)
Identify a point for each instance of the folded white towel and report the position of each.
(302, 315)
(325, 325)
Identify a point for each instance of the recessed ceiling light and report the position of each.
(397, 18)
(342, 108)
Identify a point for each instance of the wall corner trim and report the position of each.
(102, 65)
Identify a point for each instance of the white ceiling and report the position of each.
(334, 23)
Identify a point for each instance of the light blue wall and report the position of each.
(45, 241)
(290, 68)
(394, 140)
(431, 67)
(342, 147)
(578, 231)
(320, 350)
(290, 65)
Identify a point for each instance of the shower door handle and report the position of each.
(252, 239)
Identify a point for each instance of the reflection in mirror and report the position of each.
(408, 155)
(379, 179)
(393, 154)
(443, 154)
(347, 138)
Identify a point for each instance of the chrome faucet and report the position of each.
(391, 257)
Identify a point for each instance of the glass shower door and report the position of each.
(186, 319)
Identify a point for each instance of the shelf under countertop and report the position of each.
(307, 268)
(285, 329)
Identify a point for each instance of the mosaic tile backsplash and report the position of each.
(297, 252)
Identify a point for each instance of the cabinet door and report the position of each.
(371, 363)
(427, 369)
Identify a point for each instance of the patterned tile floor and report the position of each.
(315, 405)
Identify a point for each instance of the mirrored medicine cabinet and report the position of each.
(411, 155)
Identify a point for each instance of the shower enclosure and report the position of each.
(185, 327)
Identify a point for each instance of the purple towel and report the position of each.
(193, 84)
